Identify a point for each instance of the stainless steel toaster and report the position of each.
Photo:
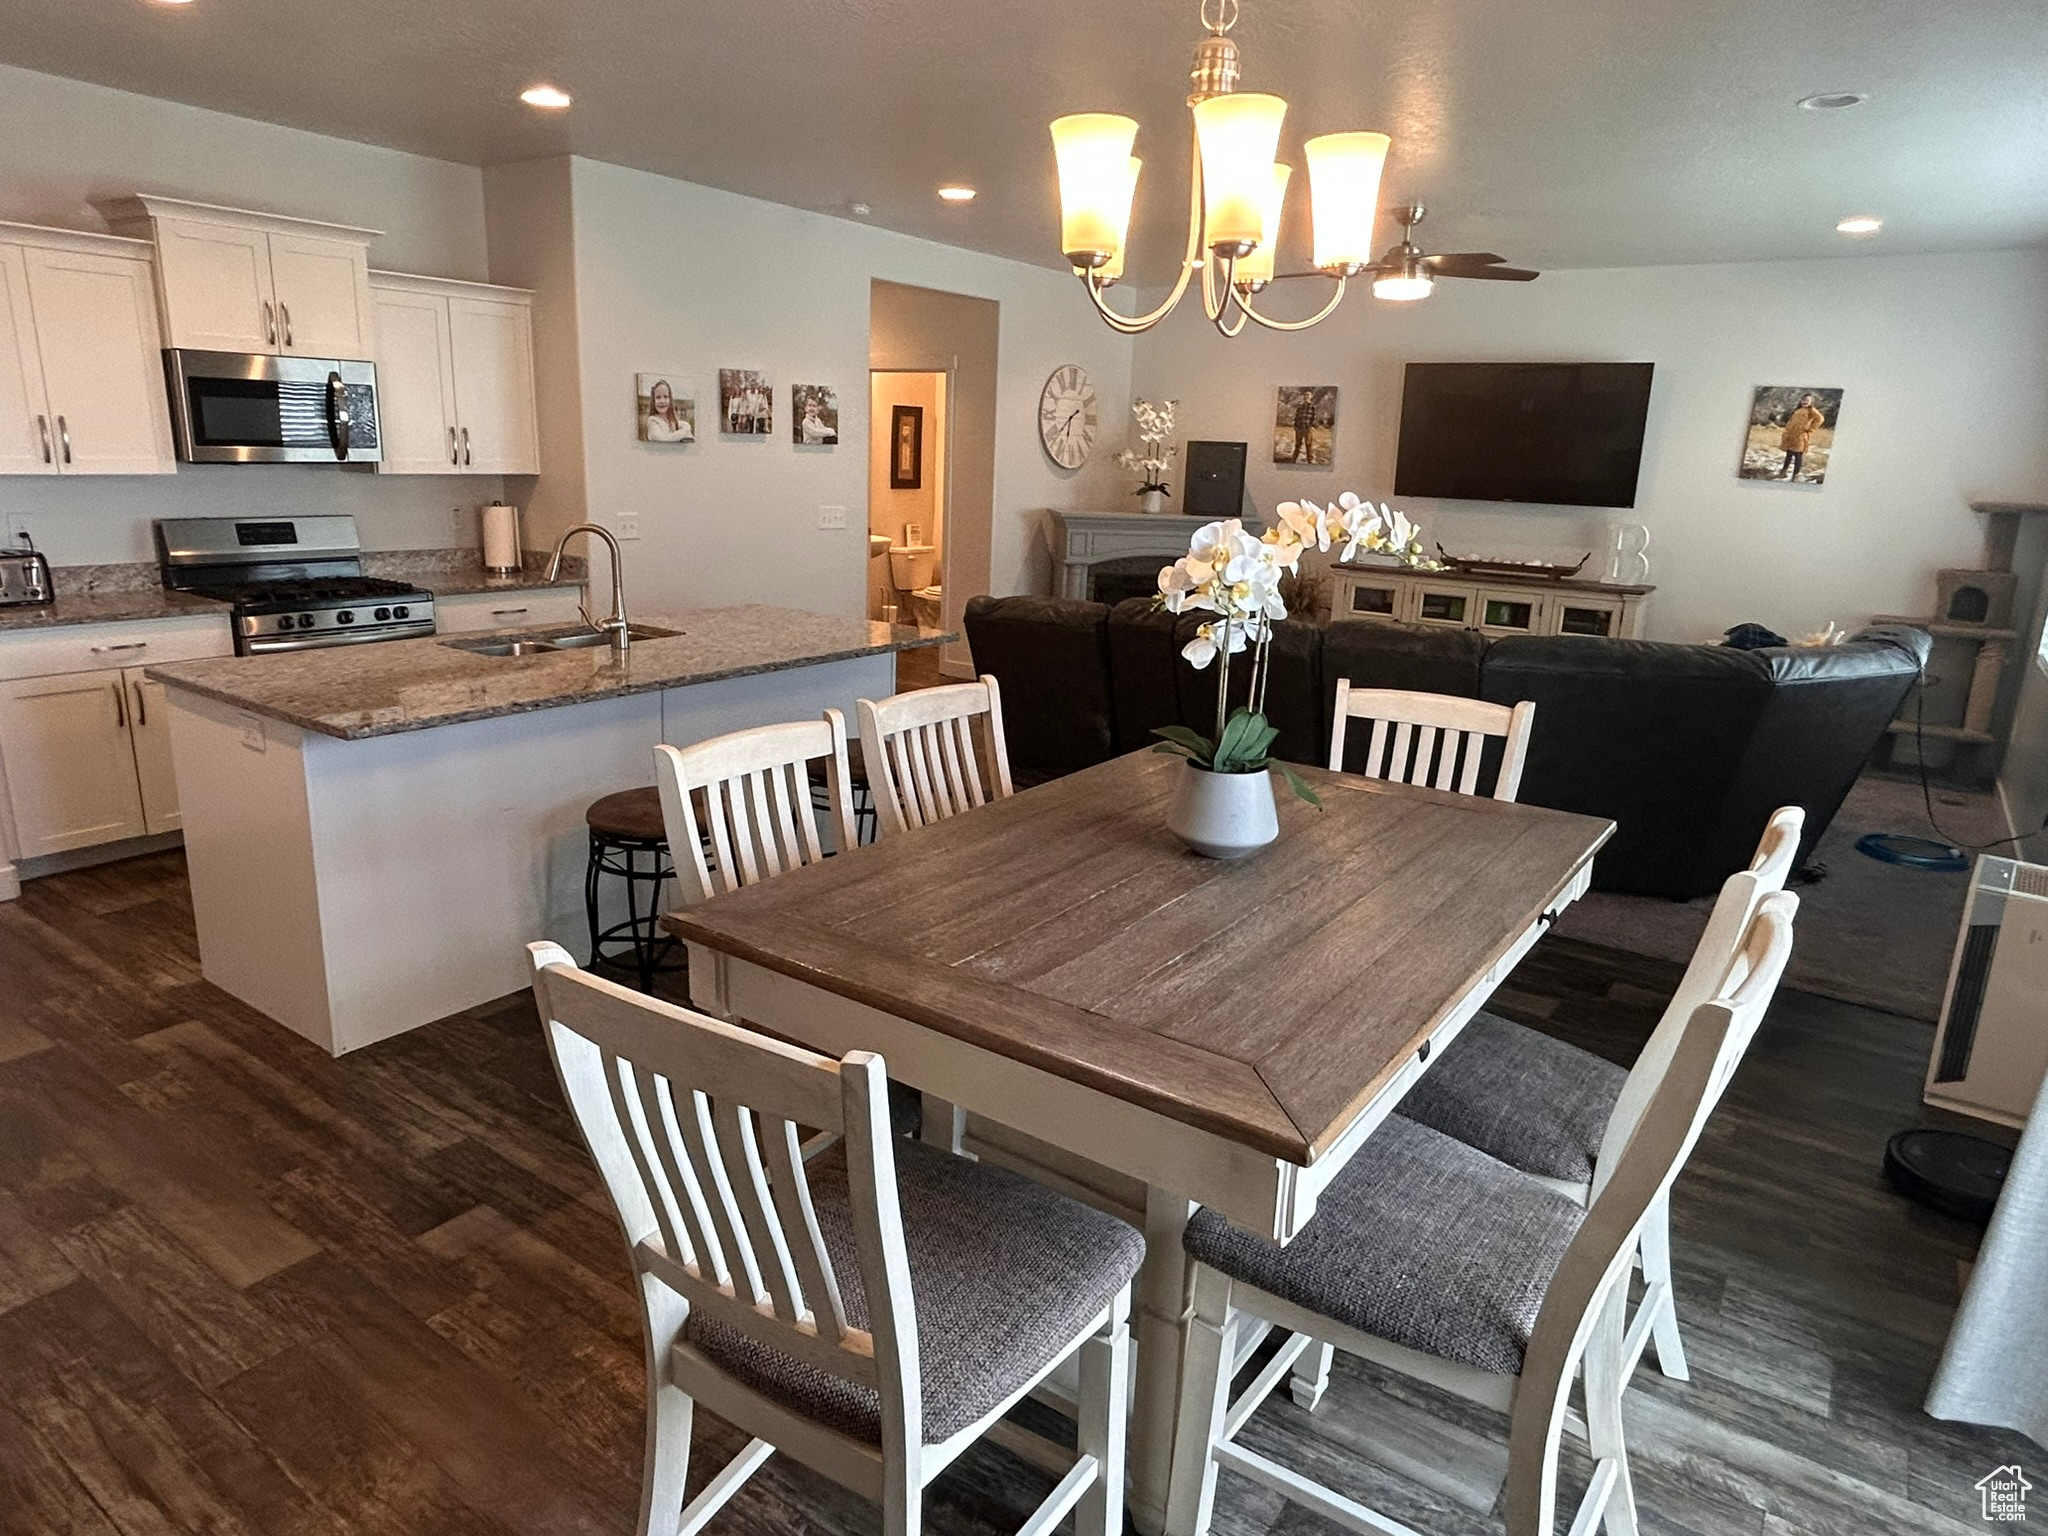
(24, 578)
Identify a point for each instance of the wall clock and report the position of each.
(1067, 416)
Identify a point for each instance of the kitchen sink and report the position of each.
(583, 639)
(500, 647)
(560, 640)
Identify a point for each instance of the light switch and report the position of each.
(831, 517)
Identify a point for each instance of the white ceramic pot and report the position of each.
(1224, 815)
(1152, 501)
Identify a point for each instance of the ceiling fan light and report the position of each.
(1344, 182)
(1238, 134)
(1097, 177)
(1258, 266)
(1403, 287)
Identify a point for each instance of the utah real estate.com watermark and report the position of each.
(2004, 1491)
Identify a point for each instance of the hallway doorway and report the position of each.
(931, 457)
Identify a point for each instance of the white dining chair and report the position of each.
(872, 1311)
(1440, 1263)
(934, 753)
(747, 797)
(1433, 739)
(1563, 1114)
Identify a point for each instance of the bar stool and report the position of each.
(625, 829)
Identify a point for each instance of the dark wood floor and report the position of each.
(246, 1290)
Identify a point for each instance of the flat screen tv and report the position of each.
(1563, 434)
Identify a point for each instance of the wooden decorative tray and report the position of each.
(1533, 569)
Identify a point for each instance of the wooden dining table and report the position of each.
(1081, 997)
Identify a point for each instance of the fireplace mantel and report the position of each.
(1084, 539)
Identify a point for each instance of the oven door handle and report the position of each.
(338, 424)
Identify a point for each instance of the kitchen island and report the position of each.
(375, 832)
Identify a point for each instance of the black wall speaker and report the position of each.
(1214, 486)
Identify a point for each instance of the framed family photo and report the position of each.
(814, 415)
(666, 413)
(1791, 433)
(746, 404)
(1305, 425)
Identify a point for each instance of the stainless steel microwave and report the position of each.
(249, 408)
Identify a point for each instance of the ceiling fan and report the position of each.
(1406, 273)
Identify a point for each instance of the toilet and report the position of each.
(913, 569)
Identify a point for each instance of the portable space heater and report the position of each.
(1991, 1049)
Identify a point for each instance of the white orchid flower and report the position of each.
(1209, 643)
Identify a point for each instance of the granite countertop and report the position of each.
(460, 572)
(108, 607)
(358, 691)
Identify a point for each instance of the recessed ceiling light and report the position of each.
(957, 194)
(1834, 101)
(1859, 224)
(859, 210)
(553, 98)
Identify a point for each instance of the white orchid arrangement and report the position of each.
(1236, 576)
(1155, 426)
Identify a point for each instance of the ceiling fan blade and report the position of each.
(1493, 274)
(1465, 259)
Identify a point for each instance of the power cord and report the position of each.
(1927, 788)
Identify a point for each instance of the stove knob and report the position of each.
(307, 621)
(286, 622)
(346, 616)
(401, 612)
(383, 614)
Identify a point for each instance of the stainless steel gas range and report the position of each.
(296, 583)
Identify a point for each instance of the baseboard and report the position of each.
(86, 858)
(10, 883)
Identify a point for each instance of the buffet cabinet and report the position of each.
(1493, 605)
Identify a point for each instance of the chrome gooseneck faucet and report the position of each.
(615, 626)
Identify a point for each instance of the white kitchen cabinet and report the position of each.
(149, 733)
(71, 778)
(415, 384)
(455, 377)
(26, 447)
(84, 734)
(81, 366)
(519, 609)
(232, 280)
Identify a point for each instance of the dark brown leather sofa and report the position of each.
(1687, 748)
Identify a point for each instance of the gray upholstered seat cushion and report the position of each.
(1535, 1103)
(1420, 1240)
(1005, 1274)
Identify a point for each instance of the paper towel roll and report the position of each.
(501, 538)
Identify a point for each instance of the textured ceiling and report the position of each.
(1586, 133)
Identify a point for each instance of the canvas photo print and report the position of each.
(1305, 425)
(814, 414)
(667, 414)
(1791, 433)
(746, 405)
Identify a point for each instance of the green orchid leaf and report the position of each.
(1194, 743)
(1299, 785)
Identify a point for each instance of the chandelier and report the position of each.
(1236, 191)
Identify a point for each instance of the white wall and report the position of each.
(66, 145)
(1944, 360)
(687, 279)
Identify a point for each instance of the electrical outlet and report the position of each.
(463, 524)
(21, 530)
(252, 732)
(629, 527)
(831, 517)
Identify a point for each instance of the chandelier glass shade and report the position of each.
(1237, 193)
